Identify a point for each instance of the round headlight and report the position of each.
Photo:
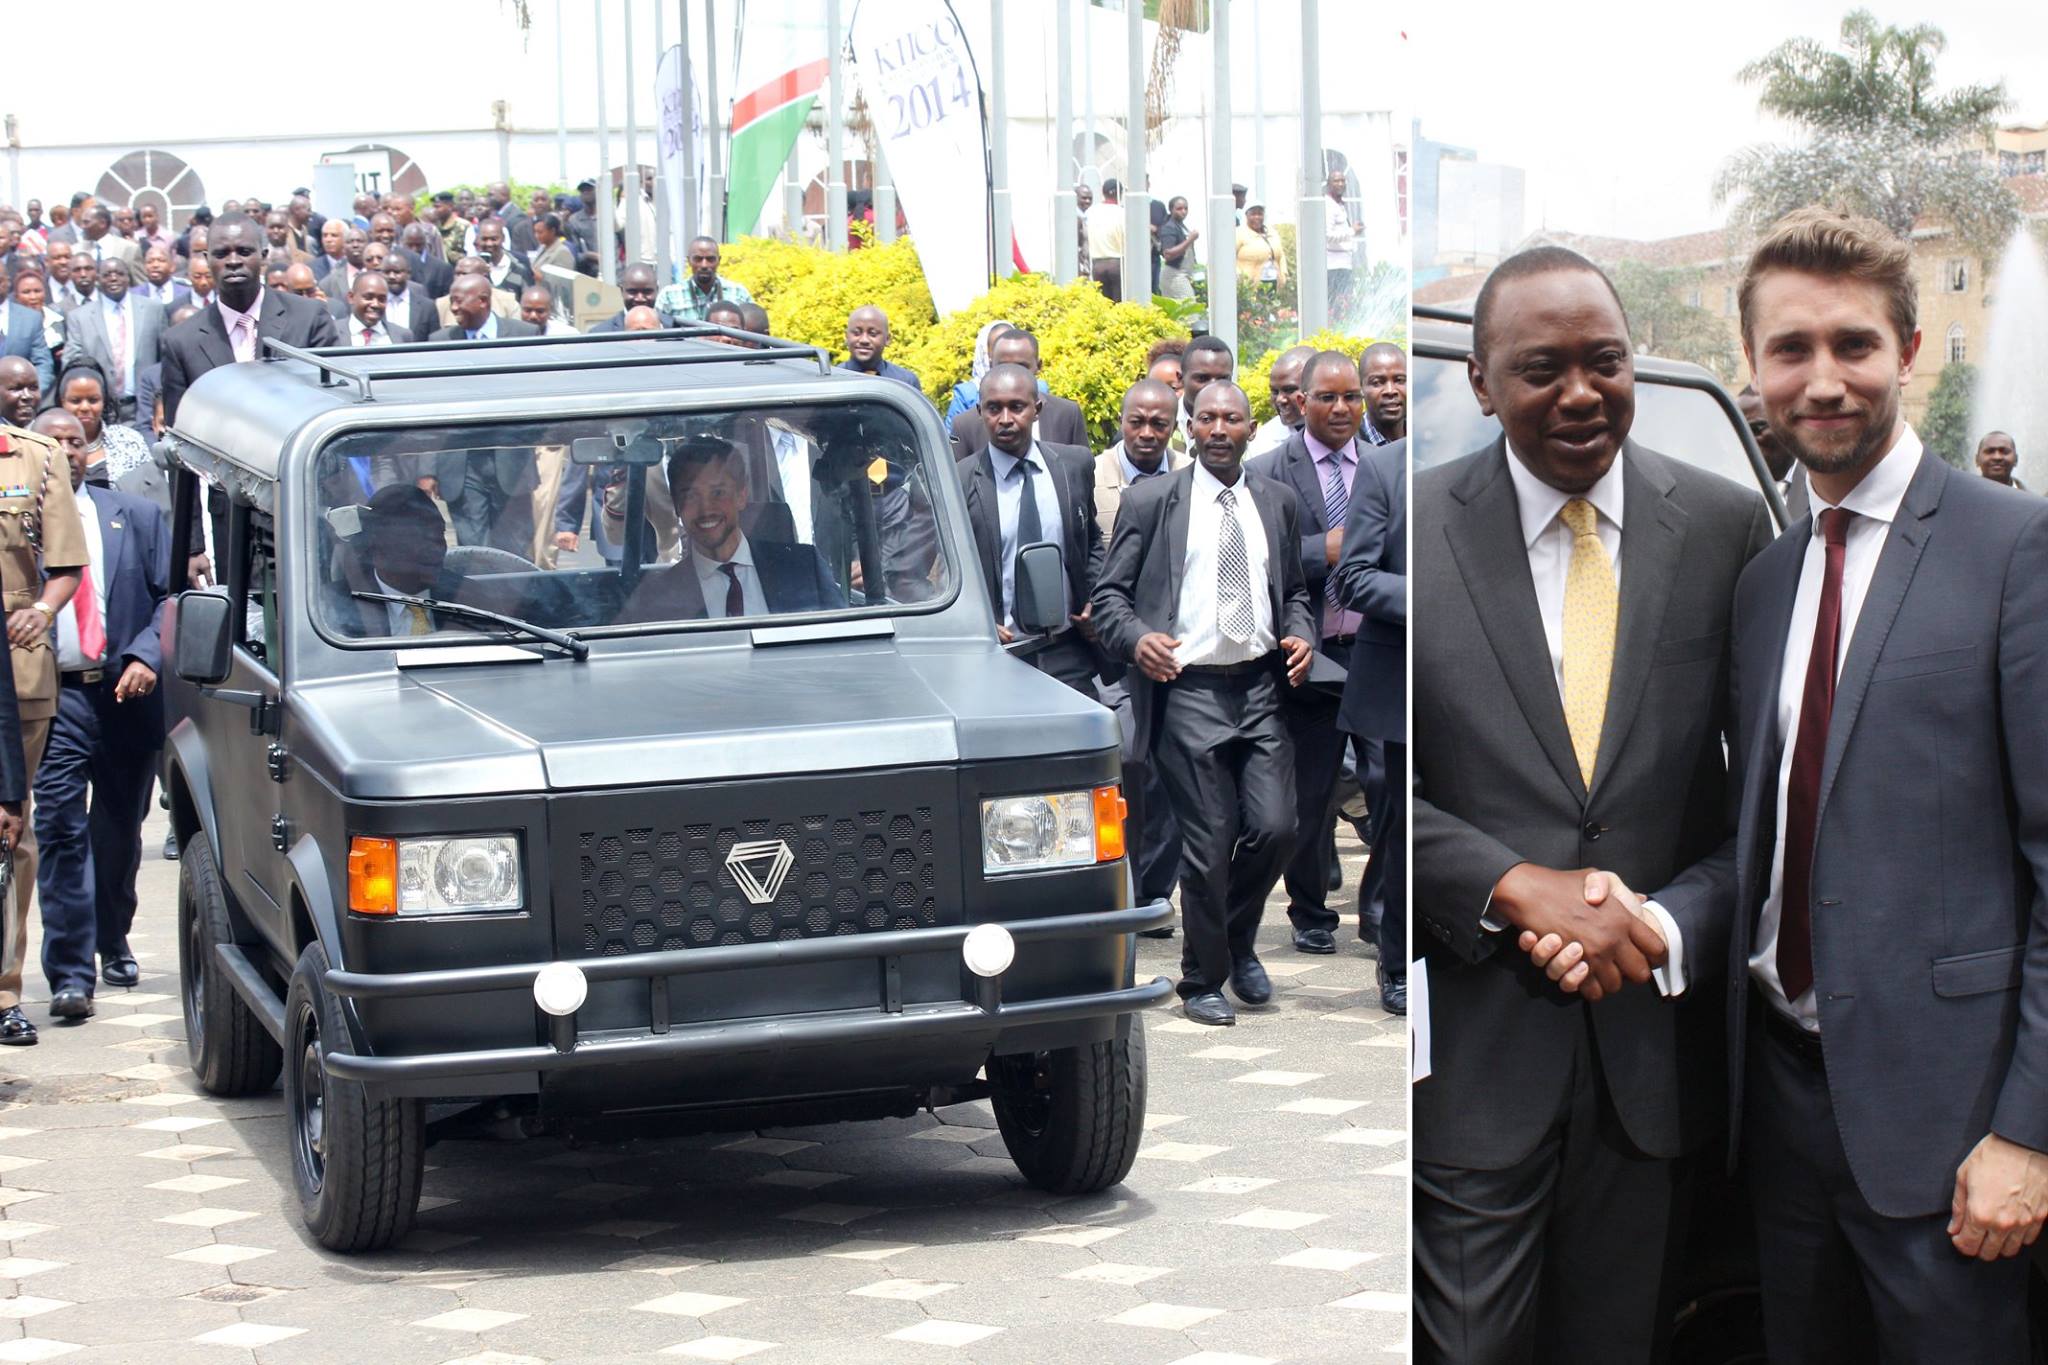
(988, 950)
(560, 988)
(476, 872)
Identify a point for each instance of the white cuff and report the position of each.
(1670, 977)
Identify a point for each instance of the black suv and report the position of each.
(465, 835)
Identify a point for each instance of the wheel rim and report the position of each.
(195, 982)
(1027, 1091)
(309, 1099)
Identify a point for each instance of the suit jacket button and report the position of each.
(1593, 830)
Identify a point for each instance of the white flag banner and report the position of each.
(670, 100)
(924, 95)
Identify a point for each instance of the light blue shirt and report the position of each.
(487, 332)
(1010, 500)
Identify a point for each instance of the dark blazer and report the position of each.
(1080, 535)
(1496, 784)
(1138, 590)
(200, 342)
(422, 303)
(135, 550)
(25, 338)
(1930, 860)
(518, 230)
(1292, 465)
(793, 578)
(434, 275)
(1060, 423)
(615, 323)
(518, 275)
(1372, 580)
(507, 327)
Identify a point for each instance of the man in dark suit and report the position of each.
(637, 289)
(1565, 719)
(160, 285)
(1372, 580)
(1891, 657)
(1059, 422)
(104, 739)
(120, 332)
(469, 305)
(1023, 491)
(1202, 590)
(1320, 464)
(508, 269)
(26, 339)
(725, 573)
(1205, 361)
(422, 246)
(244, 315)
(518, 226)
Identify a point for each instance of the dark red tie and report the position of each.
(1809, 755)
(735, 600)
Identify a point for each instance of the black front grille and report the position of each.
(650, 873)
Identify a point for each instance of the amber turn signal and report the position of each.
(1110, 809)
(373, 875)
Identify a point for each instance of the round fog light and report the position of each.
(988, 950)
(559, 988)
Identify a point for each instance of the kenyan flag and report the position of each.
(782, 72)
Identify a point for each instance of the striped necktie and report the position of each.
(1233, 574)
(1336, 505)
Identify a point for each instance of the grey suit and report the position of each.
(1545, 1130)
(1929, 927)
(85, 332)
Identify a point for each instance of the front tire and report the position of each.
(1073, 1117)
(230, 1051)
(356, 1158)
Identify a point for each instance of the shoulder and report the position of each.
(139, 511)
(1696, 490)
(28, 444)
(1462, 476)
(1148, 495)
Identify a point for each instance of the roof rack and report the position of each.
(327, 360)
(1442, 312)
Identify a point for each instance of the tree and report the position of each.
(1661, 320)
(1945, 427)
(1882, 141)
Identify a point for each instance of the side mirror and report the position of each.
(202, 638)
(1041, 588)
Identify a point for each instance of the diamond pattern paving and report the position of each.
(156, 1223)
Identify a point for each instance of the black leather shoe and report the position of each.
(1211, 1008)
(1248, 978)
(1318, 941)
(1336, 874)
(71, 1003)
(17, 1031)
(1394, 994)
(170, 846)
(1163, 931)
(118, 968)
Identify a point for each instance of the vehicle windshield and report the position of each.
(1684, 423)
(754, 513)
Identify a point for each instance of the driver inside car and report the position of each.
(400, 546)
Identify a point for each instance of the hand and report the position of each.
(1155, 656)
(429, 485)
(565, 540)
(1333, 546)
(2001, 1198)
(25, 627)
(1616, 943)
(199, 571)
(11, 823)
(138, 679)
(1004, 635)
(1193, 233)
(1298, 655)
(1085, 622)
(1565, 962)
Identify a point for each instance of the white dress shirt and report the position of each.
(793, 468)
(398, 313)
(1875, 501)
(1195, 621)
(1010, 501)
(69, 657)
(712, 579)
(378, 335)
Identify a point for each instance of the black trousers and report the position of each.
(1841, 1283)
(1152, 834)
(1557, 1258)
(1223, 753)
(1386, 876)
(485, 514)
(1318, 761)
(91, 796)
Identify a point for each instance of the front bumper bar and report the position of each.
(979, 1010)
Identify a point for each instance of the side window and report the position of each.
(256, 585)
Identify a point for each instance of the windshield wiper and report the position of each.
(578, 649)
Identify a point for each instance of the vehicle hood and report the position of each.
(658, 718)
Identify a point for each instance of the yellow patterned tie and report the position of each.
(1591, 604)
(419, 624)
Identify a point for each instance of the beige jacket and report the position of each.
(1110, 483)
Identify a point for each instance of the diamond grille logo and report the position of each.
(759, 866)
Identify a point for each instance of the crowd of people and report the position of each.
(112, 316)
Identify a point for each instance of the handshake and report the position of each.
(1585, 929)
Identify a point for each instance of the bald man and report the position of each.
(20, 391)
(1284, 382)
(299, 280)
(867, 336)
(642, 320)
(1998, 459)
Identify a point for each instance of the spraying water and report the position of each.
(2012, 383)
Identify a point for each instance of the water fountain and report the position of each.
(2012, 381)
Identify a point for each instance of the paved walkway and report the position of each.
(141, 1221)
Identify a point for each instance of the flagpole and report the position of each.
(999, 142)
(1311, 232)
(1066, 258)
(835, 154)
(629, 192)
(1222, 254)
(561, 101)
(714, 117)
(607, 242)
(664, 255)
(1137, 266)
(692, 211)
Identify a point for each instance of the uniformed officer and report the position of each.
(42, 551)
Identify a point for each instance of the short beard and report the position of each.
(1869, 448)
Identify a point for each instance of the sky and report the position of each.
(1634, 153)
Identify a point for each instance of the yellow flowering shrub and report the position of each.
(1092, 350)
(1254, 376)
(808, 291)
